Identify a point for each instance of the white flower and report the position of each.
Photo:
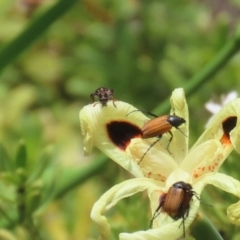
(119, 137)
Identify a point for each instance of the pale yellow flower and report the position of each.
(214, 107)
(118, 135)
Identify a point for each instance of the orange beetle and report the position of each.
(158, 126)
(176, 202)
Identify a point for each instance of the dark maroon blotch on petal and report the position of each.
(121, 133)
(229, 124)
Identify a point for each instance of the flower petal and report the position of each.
(233, 213)
(227, 184)
(111, 130)
(167, 230)
(222, 181)
(172, 230)
(225, 126)
(157, 163)
(230, 96)
(206, 157)
(178, 175)
(179, 144)
(115, 194)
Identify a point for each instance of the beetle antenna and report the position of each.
(177, 127)
(173, 112)
(209, 205)
(181, 131)
(132, 112)
(198, 197)
(137, 110)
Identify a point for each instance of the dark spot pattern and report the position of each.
(121, 133)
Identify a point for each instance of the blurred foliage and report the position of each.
(141, 49)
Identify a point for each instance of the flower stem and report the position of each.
(75, 177)
(202, 229)
(218, 62)
(33, 31)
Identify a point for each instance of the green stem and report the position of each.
(220, 60)
(33, 31)
(73, 178)
(21, 206)
(203, 229)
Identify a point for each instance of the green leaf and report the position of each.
(33, 199)
(21, 156)
(6, 193)
(33, 202)
(33, 31)
(5, 162)
(21, 176)
(41, 166)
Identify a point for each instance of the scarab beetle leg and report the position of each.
(157, 212)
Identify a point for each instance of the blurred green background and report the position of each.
(53, 55)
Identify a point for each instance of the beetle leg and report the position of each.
(158, 138)
(111, 97)
(94, 104)
(181, 131)
(93, 97)
(183, 223)
(184, 233)
(157, 212)
(169, 141)
(114, 103)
